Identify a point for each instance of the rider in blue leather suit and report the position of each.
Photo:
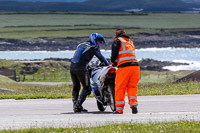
(78, 69)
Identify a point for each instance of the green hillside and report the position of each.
(98, 5)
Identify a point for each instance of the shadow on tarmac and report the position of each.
(93, 112)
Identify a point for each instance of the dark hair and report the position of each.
(120, 29)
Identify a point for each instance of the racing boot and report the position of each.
(78, 106)
(116, 112)
(74, 102)
(134, 110)
(82, 109)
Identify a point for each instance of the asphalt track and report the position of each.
(16, 114)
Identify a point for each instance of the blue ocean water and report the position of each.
(185, 55)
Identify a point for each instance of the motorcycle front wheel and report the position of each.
(100, 106)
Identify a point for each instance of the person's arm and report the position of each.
(101, 57)
(115, 51)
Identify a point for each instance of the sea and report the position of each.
(181, 55)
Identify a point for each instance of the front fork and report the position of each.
(98, 98)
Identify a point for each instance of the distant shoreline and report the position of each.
(181, 39)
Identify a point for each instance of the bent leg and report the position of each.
(84, 79)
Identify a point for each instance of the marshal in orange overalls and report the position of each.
(128, 76)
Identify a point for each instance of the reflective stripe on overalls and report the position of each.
(120, 106)
(132, 101)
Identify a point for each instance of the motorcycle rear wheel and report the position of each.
(111, 89)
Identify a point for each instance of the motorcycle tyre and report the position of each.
(101, 107)
(111, 88)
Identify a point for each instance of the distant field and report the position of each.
(26, 26)
(63, 31)
(159, 20)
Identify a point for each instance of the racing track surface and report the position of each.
(16, 114)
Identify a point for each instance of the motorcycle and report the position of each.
(102, 79)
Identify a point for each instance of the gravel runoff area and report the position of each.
(16, 114)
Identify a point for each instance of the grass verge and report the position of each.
(152, 83)
(169, 89)
(165, 127)
(149, 77)
(29, 91)
(26, 91)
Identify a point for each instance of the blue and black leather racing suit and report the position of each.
(78, 70)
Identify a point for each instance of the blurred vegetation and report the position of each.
(158, 127)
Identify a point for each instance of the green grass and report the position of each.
(25, 91)
(151, 83)
(56, 71)
(29, 91)
(48, 71)
(169, 89)
(165, 127)
(10, 64)
(27, 33)
(162, 77)
(5, 79)
(29, 26)
(159, 20)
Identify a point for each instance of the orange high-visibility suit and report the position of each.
(128, 73)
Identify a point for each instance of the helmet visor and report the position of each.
(101, 40)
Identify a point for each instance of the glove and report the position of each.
(114, 64)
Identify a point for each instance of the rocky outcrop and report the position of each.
(191, 77)
(154, 65)
(145, 64)
(184, 39)
(8, 73)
